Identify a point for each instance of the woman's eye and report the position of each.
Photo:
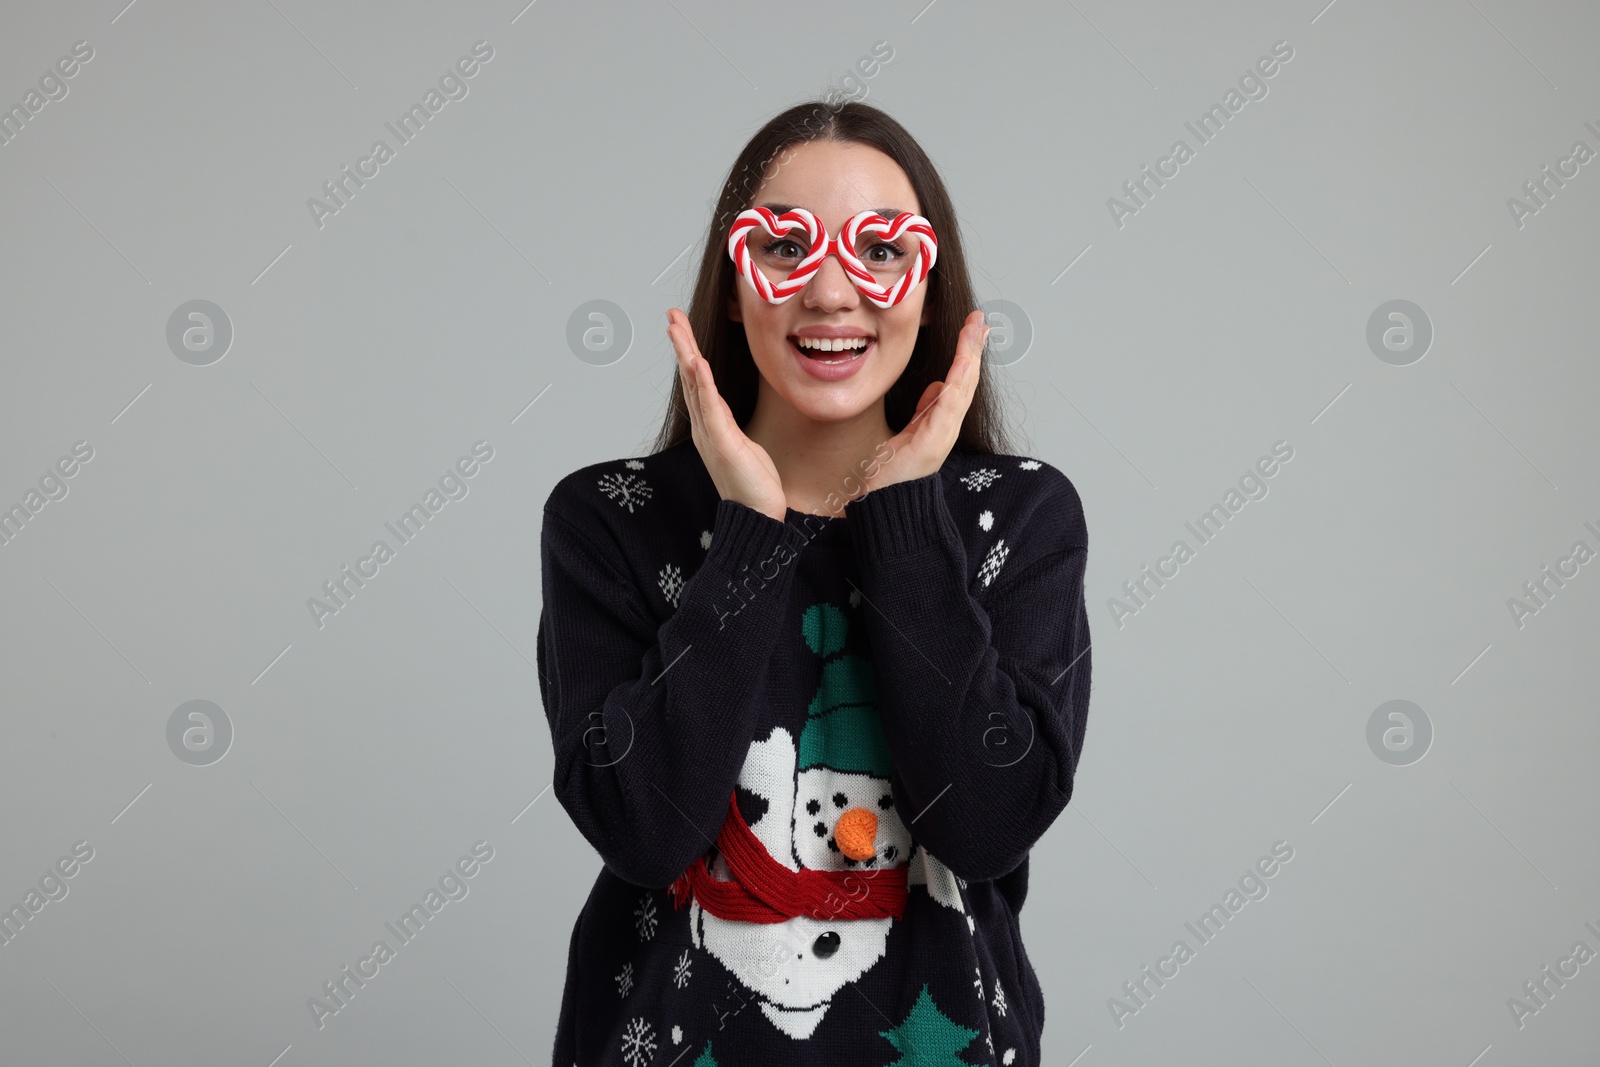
(889, 253)
(783, 249)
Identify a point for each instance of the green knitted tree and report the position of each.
(705, 1059)
(843, 730)
(929, 1037)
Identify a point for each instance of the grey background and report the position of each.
(430, 313)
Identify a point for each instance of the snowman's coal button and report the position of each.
(825, 945)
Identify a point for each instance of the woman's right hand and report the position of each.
(741, 469)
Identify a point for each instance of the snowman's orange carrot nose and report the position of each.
(857, 834)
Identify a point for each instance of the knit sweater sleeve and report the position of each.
(650, 722)
(983, 683)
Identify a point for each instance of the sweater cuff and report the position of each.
(900, 518)
(743, 537)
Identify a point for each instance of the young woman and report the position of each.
(817, 668)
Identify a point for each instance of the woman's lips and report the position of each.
(832, 366)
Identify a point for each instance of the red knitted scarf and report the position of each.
(765, 891)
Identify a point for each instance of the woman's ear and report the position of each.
(734, 314)
(927, 314)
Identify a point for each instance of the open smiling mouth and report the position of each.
(832, 351)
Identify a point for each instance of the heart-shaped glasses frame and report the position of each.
(822, 245)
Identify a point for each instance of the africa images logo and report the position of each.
(452, 486)
(411, 123)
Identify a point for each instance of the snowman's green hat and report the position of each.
(848, 738)
(843, 730)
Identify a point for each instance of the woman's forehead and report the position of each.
(836, 181)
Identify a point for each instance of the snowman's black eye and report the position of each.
(886, 801)
(840, 800)
(813, 806)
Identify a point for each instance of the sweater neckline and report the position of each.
(830, 523)
(803, 515)
(826, 529)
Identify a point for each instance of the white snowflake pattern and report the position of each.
(625, 980)
(628, 490)
(990, 1042)
(645, 915)
(980, 479)
(1011, 1054)
(978, 981)
(1029, 465)
(855, 598)
(705, 539)
(638, 1042)
(999, 1000)
(634, 464)
(986, 519)
(677, 1035)
(680, 971)
(994, 561)
(671, 582)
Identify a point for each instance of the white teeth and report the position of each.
(838, 344)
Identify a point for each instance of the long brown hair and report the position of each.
(949, 297)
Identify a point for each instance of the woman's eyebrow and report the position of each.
(779, 209)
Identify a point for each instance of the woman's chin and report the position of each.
(828, 409)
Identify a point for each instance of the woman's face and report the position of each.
(834, 182)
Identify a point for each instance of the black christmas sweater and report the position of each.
(813, 755)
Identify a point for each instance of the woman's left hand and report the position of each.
(922, 447)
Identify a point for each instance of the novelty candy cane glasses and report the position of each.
(885, 282)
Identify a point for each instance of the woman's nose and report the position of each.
(856, 834)
(830, 288)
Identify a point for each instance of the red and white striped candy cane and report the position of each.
(777, 226)
(872, 222)
(822, 245)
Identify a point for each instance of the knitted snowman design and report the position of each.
(821, 804)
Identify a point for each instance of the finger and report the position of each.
(686, 338)
(973, 337)
(682, 339)
(681, 335)
(672, 335)
(715, 420)
(697, 411)
(949, 408)
(679, 356)
(973, 373)
(969, 349)
(713, 409)
(702, 391)
(924, 404)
